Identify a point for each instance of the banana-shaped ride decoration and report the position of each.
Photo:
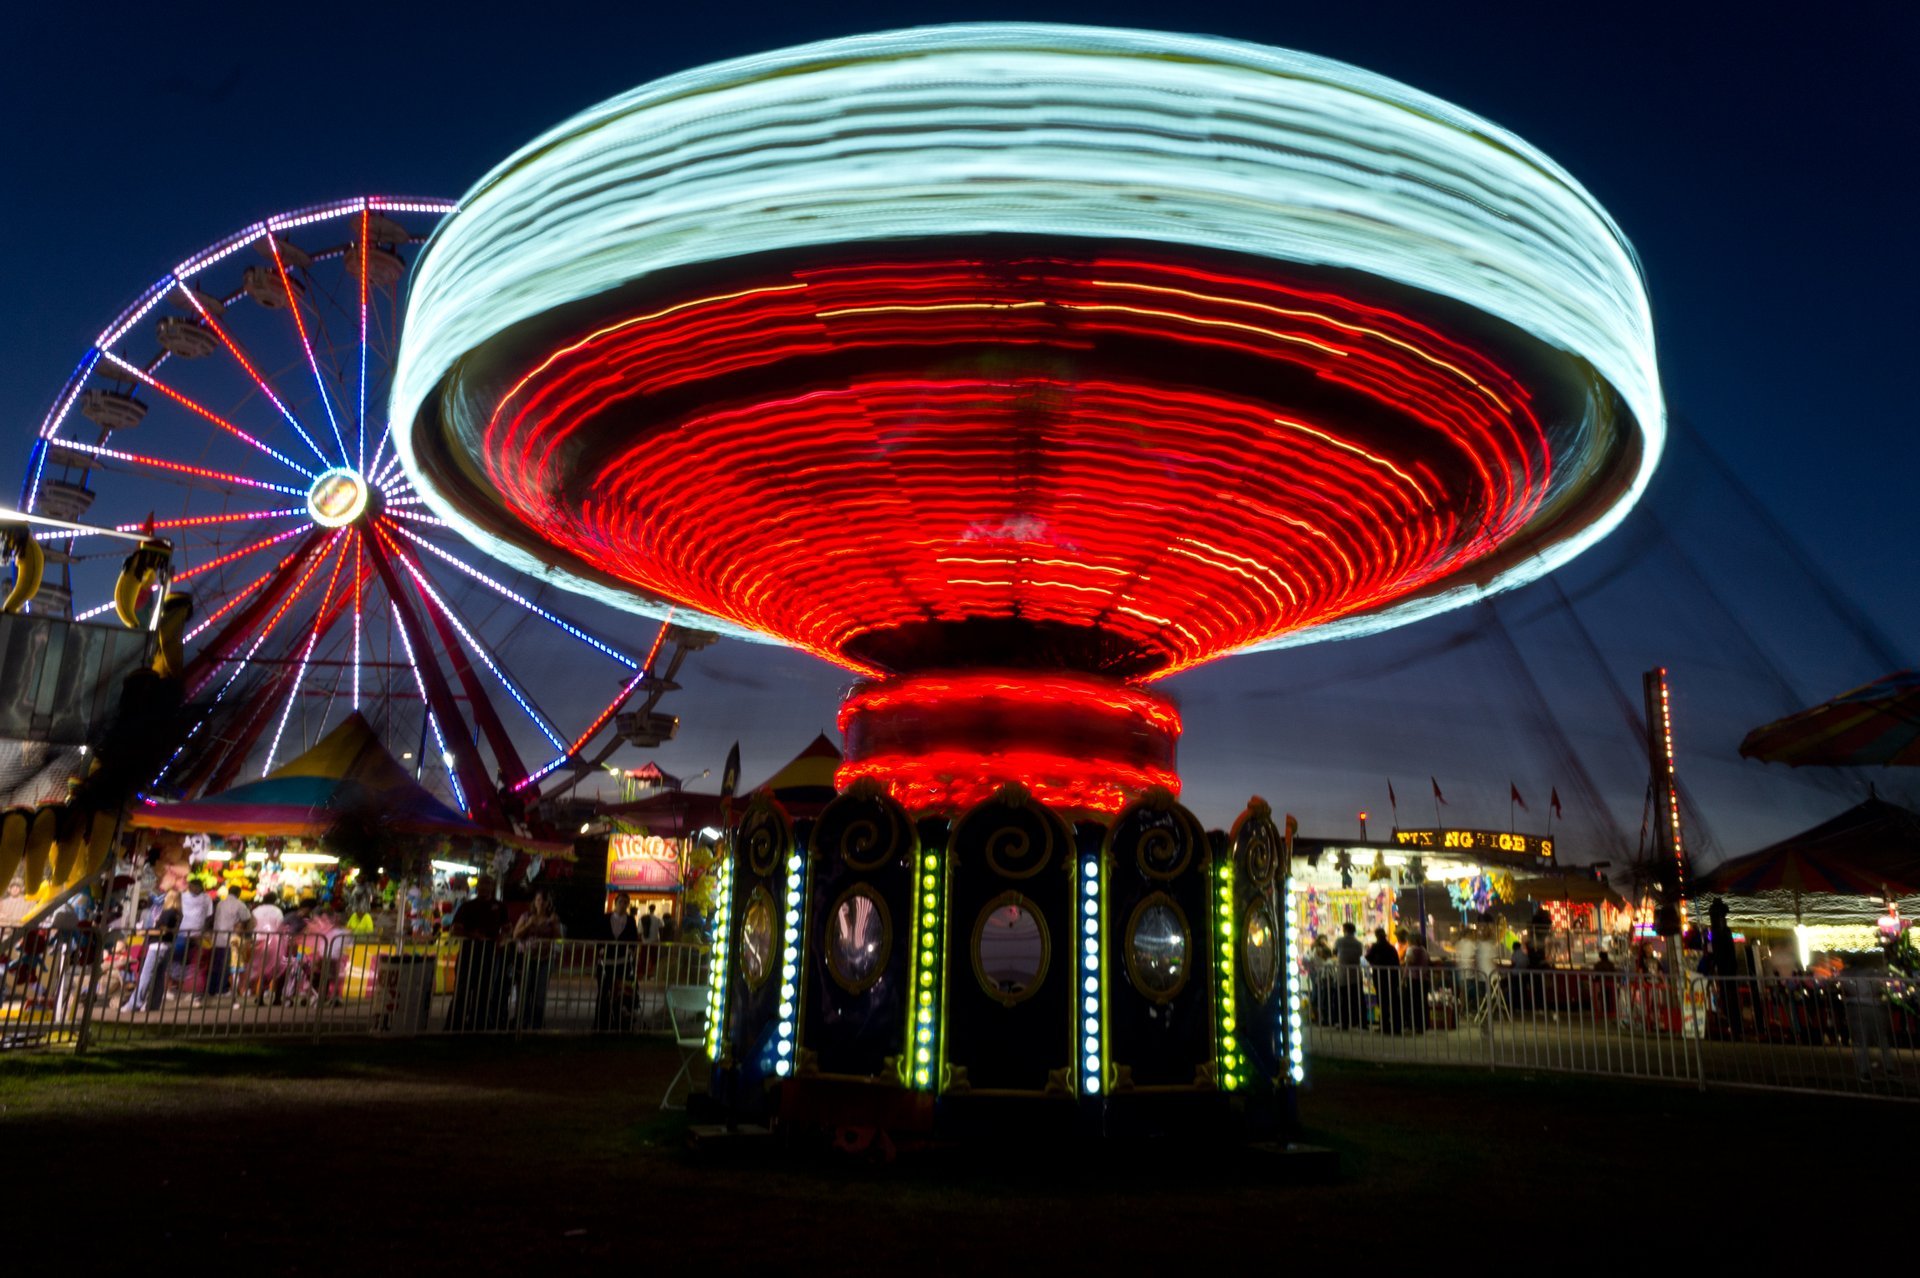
(29, 565)
(175, 611)
(142, 568)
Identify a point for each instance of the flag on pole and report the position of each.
(1554, 799)
(1513, 792)
(1393, 802)
(1293, 828)
(1437, 796)
(729, 782)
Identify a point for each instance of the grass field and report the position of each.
(478, 1157)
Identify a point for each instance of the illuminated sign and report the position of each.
(642, 863)
(1498, 841)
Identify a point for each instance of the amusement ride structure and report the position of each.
(1015, 368)
(235, 416)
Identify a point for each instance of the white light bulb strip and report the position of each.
(1039, 130)
(785, 1044)
(1290, 957)
(1090, 903)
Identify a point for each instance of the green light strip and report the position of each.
(924, 1039)
(1228, 1023)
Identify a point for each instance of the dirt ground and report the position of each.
(480, 1157)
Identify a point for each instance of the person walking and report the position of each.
(161, 932)
(534, 935)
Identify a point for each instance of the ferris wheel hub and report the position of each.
(339, 496)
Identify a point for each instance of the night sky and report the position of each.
(1761, 168)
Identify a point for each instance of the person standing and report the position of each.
(534, 935)
(479, 983)
(1346, 954)
(1414, 964)
(196, 912)
(1385, 962)
(268, 962)
(229, 917)
(158, 952)
(615, 968)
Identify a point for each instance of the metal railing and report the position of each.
(141, 988)
(1857, 1034)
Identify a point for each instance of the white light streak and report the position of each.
(1037, 130)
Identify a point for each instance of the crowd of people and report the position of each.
(197, 945)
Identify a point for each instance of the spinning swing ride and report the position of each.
(1020, 367)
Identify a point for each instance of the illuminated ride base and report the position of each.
(1122, 976)
(1070, 360)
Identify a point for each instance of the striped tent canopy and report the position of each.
(1878, 723)
(1867, 851)
(346, 770)
(805, 786)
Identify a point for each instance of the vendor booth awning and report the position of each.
(1575, 889)
(346, 770)
(674, 814)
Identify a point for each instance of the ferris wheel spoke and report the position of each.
(433, 521)
(359, 583)
(446, 611)
(515, 597)
(433, 720)
(612, 708)
(242, 552)
(196, 521)
(178, 468)
(306, 344)
(145, 378)
(219, 330)
(240, 665)
(246, 590)
(360, 417)
(322, 623)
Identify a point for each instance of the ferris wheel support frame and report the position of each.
(481, 791)
(504, 753)
(212, 655)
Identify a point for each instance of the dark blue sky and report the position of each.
(1762, 168)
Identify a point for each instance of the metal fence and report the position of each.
(58, 991)
(1857, 1034)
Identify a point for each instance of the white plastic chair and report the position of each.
(687, 1013)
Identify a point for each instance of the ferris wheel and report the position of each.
(237, 410)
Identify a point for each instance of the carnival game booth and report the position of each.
(661, 844)
(1455, 885)
(296, 833)
(1847, 886)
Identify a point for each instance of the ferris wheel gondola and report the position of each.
(237, 409)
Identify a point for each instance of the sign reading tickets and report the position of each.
(1497, 841)
(642, 863)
